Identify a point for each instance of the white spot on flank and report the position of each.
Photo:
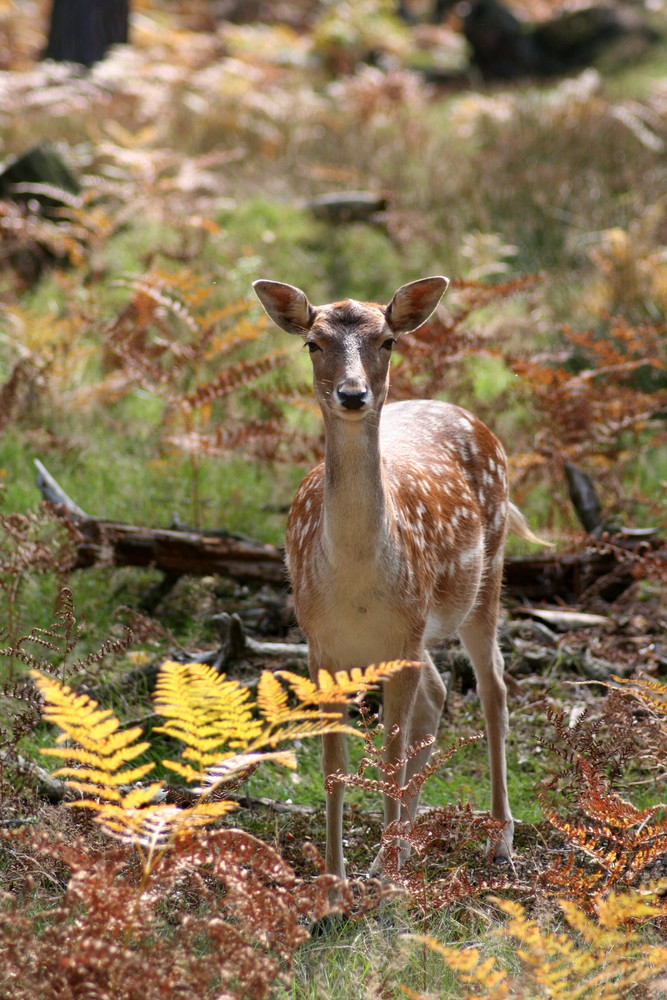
(501, 514)
(498, 559)
(470, 555)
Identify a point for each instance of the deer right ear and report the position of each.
(287, 306)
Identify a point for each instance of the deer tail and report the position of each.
(518, 525)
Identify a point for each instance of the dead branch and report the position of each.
(177, 551)
(48, 787)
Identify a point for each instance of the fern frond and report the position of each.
(103, 748)
(650, 693)
(117, 744)
(343, 686)
(471, 968)
(595, 957)
(225, 733)
(214, 717)
(231, 767)
(234, 376)
(205, 711)
(272, 700)
(306, 728)
(155, 827)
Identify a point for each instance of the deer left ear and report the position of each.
(413, 303)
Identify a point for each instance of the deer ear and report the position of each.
(287, 306)
(413, 304)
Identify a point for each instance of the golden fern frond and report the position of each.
(471, 968)
(114, 801)
(652, 695)
(598, 956)
(157, 826)
(230, 768)
(272, 698)
(103, 748)
(225, 733)
(343, 686)
(292, 723)
(127, 813)
(328, 722)
(215, 717)
(205, 711)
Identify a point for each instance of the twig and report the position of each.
(49, 787)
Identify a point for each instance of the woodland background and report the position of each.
(347, 148)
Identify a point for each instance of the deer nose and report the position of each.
(352, 400)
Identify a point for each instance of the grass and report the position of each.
(208, 169)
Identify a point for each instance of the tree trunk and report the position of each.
(81, 31)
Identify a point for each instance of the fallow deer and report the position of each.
(396, 539)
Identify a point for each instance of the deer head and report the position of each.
(350, 342)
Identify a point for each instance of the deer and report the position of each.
(396, 540)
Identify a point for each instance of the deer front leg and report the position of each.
(334, 760)
(426, 714)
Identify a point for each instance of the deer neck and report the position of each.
(355, 489)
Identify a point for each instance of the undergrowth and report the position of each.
(219, 909)
(134, 365)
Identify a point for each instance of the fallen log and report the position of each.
(177, 551)
(199, 553)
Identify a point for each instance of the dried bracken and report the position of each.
(599, 957)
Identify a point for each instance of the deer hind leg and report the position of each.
(478, 635)
(426, 714)
(413, 704)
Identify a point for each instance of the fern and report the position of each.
(651, 695)
(603, 957)
(611, 841)
(343, 686)
(224, 732)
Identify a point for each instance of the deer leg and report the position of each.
(426, 714)
(400, 696)
(399, 700)
(334, 759)
(478, 635)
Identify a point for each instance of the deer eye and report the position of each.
(312, 346)
(388, 344)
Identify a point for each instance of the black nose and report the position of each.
(352, 400)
